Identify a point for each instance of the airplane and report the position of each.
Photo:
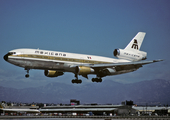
(55, 63)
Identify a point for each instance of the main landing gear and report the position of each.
(78, 81)
(96, 80)
(27, 75)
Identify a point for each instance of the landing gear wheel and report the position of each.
(76, 81)
(73, 81)
(27, 75)
(96, 80)
(100, 80)
(79, 81)
(93, 80)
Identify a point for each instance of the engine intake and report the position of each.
(116, 52)
(52, 73)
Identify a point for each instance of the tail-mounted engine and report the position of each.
(130, 55)
(52, 73)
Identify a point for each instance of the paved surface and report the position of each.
(85, 118)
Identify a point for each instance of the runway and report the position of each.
(85, 118)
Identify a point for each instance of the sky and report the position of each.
(94, 27)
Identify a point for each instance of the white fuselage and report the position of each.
(55, 60)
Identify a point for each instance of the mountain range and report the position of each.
(107, 92)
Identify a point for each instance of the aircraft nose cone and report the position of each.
(6, 57)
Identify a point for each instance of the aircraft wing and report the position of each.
(138, 63)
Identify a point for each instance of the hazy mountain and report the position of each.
(105, 92)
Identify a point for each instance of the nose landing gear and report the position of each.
(27, 75)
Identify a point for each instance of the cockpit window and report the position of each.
(11, 53)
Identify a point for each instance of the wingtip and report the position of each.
(157, 60)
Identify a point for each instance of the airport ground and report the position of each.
(86, 112)
(87, 117)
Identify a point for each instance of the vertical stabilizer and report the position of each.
(136, 42)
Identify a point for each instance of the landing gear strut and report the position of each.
(78, 81)
(27, 75)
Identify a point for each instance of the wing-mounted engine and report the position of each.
(52, 73)
(83, 70)
(130, 55)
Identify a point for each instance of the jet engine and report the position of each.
(130, 55)
(52, 73)
(83, 70)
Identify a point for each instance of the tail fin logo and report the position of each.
(135, 44)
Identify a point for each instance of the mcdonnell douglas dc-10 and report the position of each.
(55, 63)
